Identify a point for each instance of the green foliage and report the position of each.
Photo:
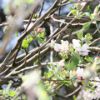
(86, 26)
(12, 93)
(64, 55)
(74, 12)
(25, 43)
(30, 38)
(77, 13)
(41, 37)
(89, 59)
(79, 34)
(73, 62)
(8, 92)
(88, 37)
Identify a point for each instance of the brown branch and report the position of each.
(96, 40)
(70, 94)
(95, 49)
(50, 11)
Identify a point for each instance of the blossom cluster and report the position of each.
(65, 47)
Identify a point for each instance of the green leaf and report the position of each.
(41, 37)
(86, 26)
(49, 74)
(64, 55)
(75, 57)
(71, 65)
(80, 34)
(12, 93)
(74, 61)
(92, 16)
(74, 12)
(89, 59)
(25, 43)
(30, 38)
(88, 37)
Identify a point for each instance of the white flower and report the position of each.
(60, 63)
(76, 43)
(52, 43)
(63, 47)
(57, 47)
(82, 50)
(80, 72)
(87, 74)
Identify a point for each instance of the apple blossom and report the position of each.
(80, 72)
(81, 49)
(63, 47)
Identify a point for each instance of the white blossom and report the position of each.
(84, 50)
(81, 49)
(63, 47)
(76, 43)
(52, 44)
(80, 72)
(87, 94)
(57, 47)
